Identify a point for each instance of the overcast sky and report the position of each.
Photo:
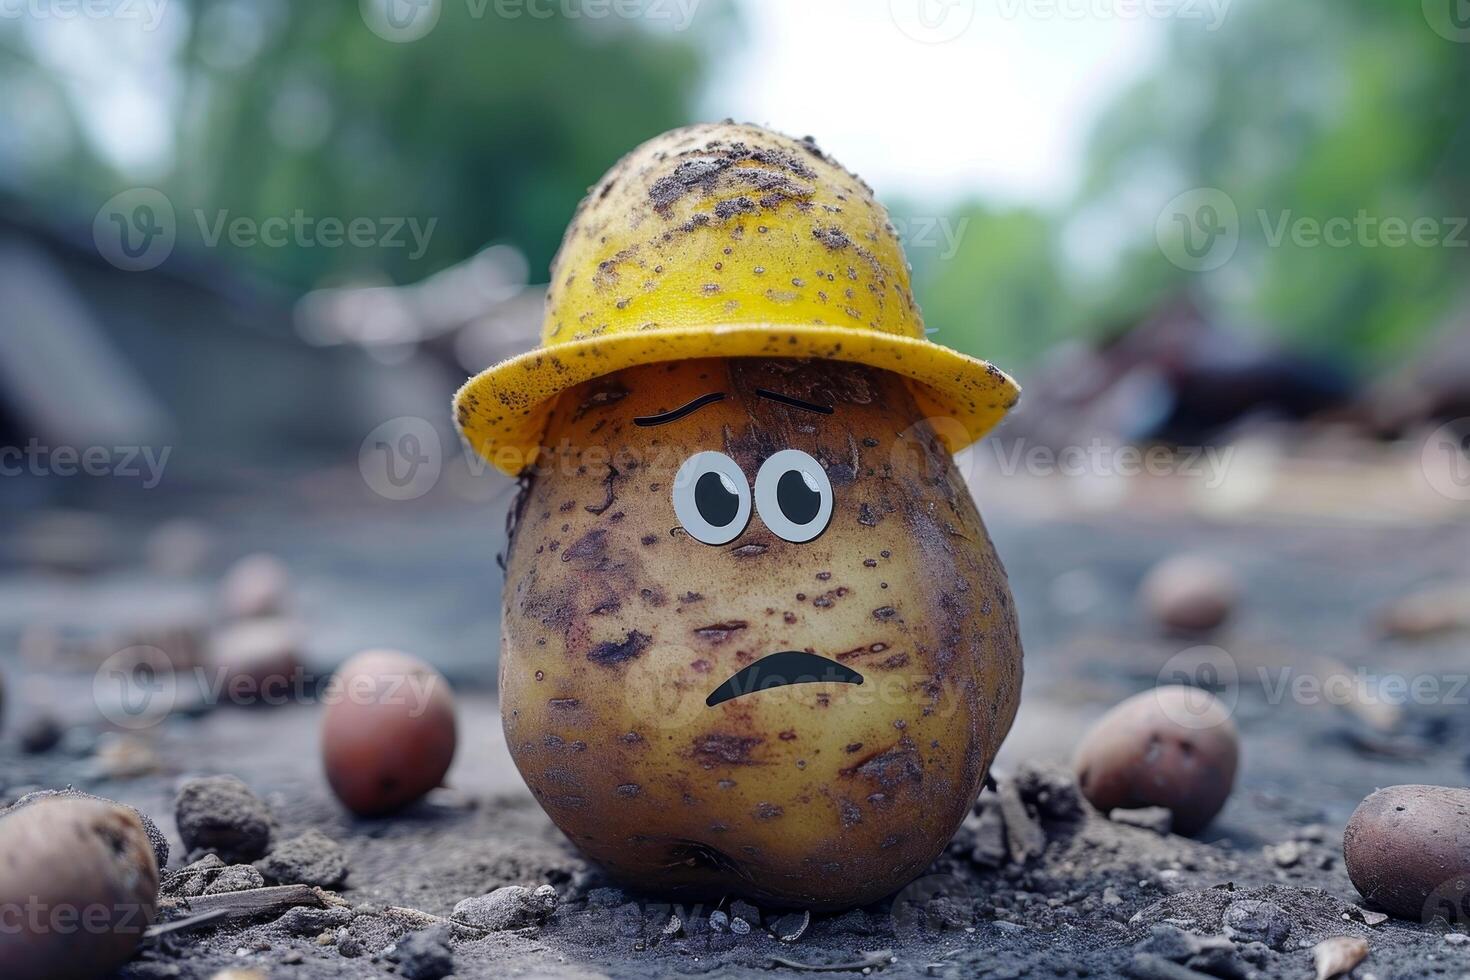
(938, 98)
(930, 99)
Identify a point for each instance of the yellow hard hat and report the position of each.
(725, 240)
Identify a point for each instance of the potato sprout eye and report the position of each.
(793, 495)
(711, 498)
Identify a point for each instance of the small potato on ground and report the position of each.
(1173, 747)
(388, 732)
(82, 874)
(1407, 850)
(1189, 593)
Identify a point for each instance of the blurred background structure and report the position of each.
(248, 249)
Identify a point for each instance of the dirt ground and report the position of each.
(1101, 899)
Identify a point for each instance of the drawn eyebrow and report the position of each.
(776, 396)
(679, 413)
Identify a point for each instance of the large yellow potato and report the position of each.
(619, 625)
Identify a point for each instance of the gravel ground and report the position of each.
(1101, 899)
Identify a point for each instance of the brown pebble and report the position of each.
(1338, 956)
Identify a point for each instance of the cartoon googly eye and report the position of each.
(711, 498)
(793, 495)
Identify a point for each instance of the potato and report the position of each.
(388, 732)
(1407, 849)
(1189, 593)
(620, 626)
(256, 585)
(256, 661)
(79, 886)
(156, 839)
(1174, 747)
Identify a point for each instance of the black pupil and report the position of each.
(715, 502)
(798, 501)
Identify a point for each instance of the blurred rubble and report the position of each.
(1434, 386)
(469, 315)
(1175, 377)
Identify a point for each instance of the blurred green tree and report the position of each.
(492, 125)
(1329, 124)
(987, 274)
(1303, 114)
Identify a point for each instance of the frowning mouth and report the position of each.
(780, 669)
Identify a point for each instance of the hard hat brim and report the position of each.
(502, 411)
